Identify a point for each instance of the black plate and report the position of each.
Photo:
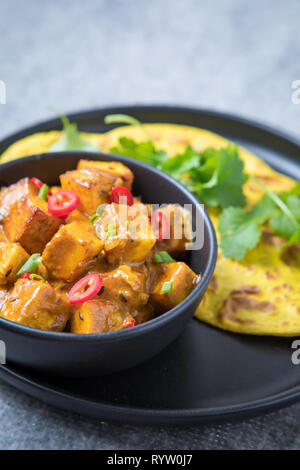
(206, 374)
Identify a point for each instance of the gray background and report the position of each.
(230, 55)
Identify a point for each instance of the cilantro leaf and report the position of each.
(239, 232)
(71, 139)
(284, 225)
(215, 176)
(285, 220)
(143, 151)
(182, 163)
(225, 186)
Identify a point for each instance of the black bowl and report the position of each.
(99, 354)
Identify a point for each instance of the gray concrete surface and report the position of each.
(232, 55)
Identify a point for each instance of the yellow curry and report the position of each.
(88, 257)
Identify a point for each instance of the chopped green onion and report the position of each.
(130, 226)
(94, 218)
(44, 192)
(162, 257)
(101, 209)
(36, 277)
(167, 287)
(99, 212)
(111, 231)
(31, 264)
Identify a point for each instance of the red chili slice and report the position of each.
(62, 203)
(85, 289)
(129, 323)
(160, 225)
(33, 277)
(120, 192)
(25, 276)
(37, 182)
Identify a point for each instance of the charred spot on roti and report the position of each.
(267, 179)
(231, 317)
(251, 188)
(276, 288)
(213, 285)
(247, 290)
(251, 268)
(269, 275)
(269, 238)
(241, 299)
(291, 255)
(287, 286)
(176, 140)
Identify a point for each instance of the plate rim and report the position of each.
(139, 415)
(88, 113)
(131, 414)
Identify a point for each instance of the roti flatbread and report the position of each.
(40, 142)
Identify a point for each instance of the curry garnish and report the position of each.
(163, 257)
(43, 194)
(31, 264)
(167, 287)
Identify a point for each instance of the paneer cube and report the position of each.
(31, 225)
(144, 314)
(180, 233)
(91, 185)
(77, 216)
(72, 247)
(181, 281)
(125, 287)
(37, 305)
(3, 237)
(127, 233)
(11, 195)
(55, 189)
(98, 316)
(4, 293)
(116, 169)
(12, 258)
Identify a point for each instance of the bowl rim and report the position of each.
(150, 324)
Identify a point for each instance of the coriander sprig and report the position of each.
(279, 202)
(125, 119)
(71, 138)
(241, 230)
(217, 177)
